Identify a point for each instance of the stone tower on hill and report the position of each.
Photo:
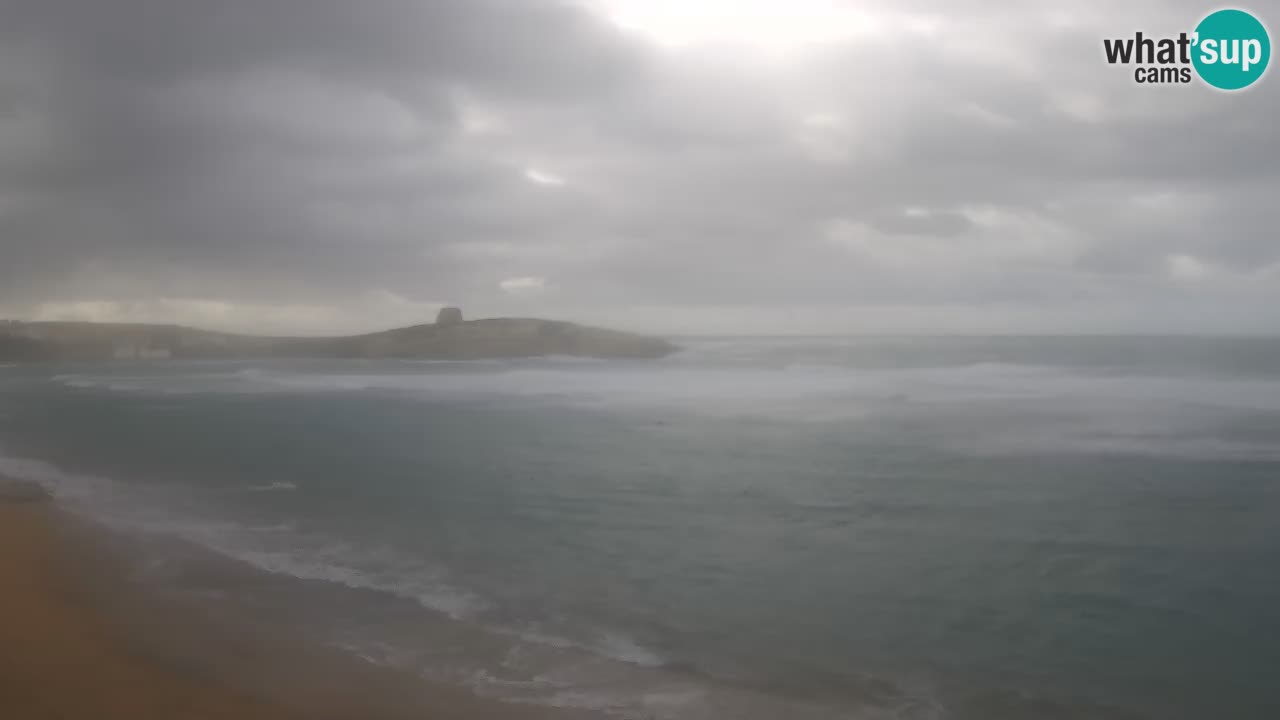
(449, 316)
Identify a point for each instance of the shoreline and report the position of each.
(83, 640)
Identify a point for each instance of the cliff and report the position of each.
(451, 339)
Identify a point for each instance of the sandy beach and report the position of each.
(77, 647)
(61, 659)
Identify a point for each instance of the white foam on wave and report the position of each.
(601, 669)
(163, 384)
(338, 563)
(606, 643)
(63, 486)
(1025, 408)
(271, 548)
(278, 549)
(801, 389)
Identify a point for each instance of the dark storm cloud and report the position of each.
(366, 160)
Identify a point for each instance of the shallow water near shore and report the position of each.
(751, 528)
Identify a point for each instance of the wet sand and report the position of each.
(76, 642)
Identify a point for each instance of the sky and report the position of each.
(666, 166)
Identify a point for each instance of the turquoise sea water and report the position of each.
(753, 528)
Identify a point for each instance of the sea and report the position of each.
(976, 528)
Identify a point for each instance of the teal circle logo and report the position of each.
(1232, 49)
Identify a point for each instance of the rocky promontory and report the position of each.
(450, 337)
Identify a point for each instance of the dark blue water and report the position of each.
(753, 528)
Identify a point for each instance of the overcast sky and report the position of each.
(675, 166)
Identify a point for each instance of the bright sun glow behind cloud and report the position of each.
(769, 26)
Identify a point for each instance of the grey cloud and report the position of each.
(314, 151)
